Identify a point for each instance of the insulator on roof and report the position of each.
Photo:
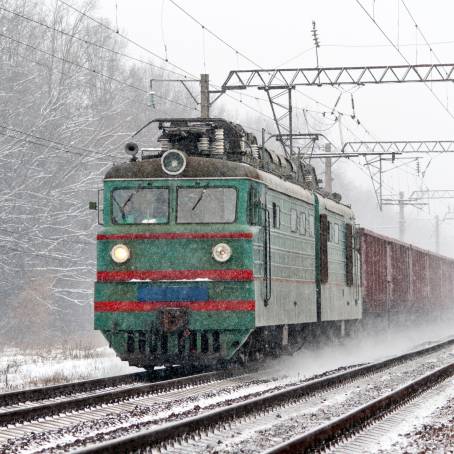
(164, 144)
(255, 151)
(204, 145)
(218, 142)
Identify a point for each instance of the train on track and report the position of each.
(214, 248)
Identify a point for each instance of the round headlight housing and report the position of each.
(222, 252)
(120, 253)
(173, 162)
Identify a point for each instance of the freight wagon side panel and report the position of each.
(399, 271)
(373, 274)
(447, 286)
(434, 281)
(402, 278)
(419, 279)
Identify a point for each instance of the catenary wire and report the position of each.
(403, 56)
(215, 35)
(78, 65)
(119, 53)
(129, 40)
(88, 42)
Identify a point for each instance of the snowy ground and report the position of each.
(20, 369)
(366, 347)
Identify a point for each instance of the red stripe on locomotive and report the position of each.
(175, 236)
(163, 275)
(135, 306)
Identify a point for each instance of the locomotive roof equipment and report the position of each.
(222, 139)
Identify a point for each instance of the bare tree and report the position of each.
(69, 100)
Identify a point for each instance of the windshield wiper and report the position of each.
(129, 199)
(139, 188)
(199, 199)
(123, 215)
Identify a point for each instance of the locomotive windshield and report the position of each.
(206, 205)
(140, 206)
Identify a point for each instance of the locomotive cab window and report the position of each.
(206, 205)
(140, 206)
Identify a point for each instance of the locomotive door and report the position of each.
(259, 215)
(266, 254)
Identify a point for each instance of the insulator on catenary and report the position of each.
(204, 145)
(218, 142)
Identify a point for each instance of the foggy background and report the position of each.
(73, 89)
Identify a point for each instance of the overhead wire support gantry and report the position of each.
(284, 80)
(393, 148)
(337, 75)
(400, 146)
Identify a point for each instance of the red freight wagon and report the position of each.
(400, 278)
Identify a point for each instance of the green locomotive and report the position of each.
(215, 248)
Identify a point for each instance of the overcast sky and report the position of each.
(278, 34)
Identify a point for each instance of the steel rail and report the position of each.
(329, 434)
(49, 392)
(186, 428)
(52, 408)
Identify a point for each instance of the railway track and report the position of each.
(12, 398)
(337, 431)
(49, 392)
(163, 394)
(22, 406)
(197, 432)
(90, 421)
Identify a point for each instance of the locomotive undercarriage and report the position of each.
(214, 348)
(181, 347)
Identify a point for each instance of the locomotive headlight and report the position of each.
(222, 252)
(173, 162)
(120, 253)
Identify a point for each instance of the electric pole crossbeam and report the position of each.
(350, 155)
(340, 75)
(409, 146)
(432, 194)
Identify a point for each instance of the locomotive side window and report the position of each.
(293, 220)
(140, 206)
(302, 223)
(276, 216)
(324, 236)
(254, 207)
(206, 205)
(311, 225)
(348, 255)
(336, 233)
